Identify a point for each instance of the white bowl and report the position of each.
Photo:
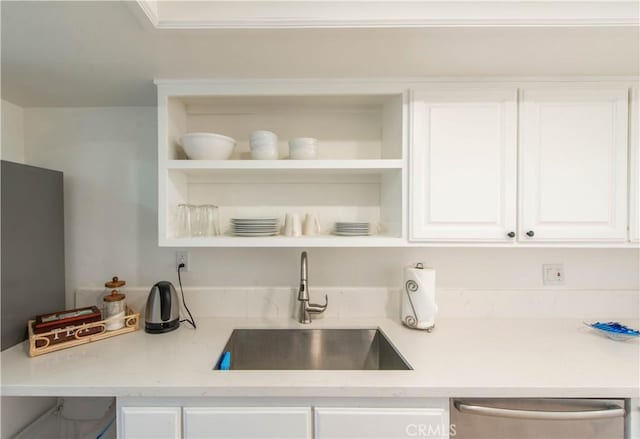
(207, 146)
(264, 153)
(263, 135)
(263, 144)
(303, 148)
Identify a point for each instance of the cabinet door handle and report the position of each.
(511, 234)
(609, 411)
(530, 233)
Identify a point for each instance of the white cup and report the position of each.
(311, 225)
(292, 225)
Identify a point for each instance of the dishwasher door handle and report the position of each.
(608, 411)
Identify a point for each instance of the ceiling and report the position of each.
(104, 54)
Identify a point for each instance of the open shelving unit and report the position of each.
(359, 175)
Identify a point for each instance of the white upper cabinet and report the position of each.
(463, 164)
(634, 197)
(431, 162)
(573, 163)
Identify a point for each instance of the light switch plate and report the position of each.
(553, 274)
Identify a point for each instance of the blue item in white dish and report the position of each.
(614, 330)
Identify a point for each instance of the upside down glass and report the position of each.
(204, 220)
(183, 220)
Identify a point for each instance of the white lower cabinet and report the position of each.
(379, 423)
(363, 419)
(247, 422)
(150, 423)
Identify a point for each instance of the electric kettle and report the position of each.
(163, 309)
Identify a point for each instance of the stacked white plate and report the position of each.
(352, 229)
(255, 226)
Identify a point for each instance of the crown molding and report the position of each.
(283, 14)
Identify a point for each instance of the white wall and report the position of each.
(12, 132)
(109, 158)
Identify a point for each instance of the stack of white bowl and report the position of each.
(303, 148)
(263, 145)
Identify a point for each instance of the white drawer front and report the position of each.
(379, 423)
(247, 422)
(150, 423)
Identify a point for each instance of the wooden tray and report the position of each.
(131, 323)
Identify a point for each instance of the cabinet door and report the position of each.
(463, 165)
(573, 164)
(149, 423)
(378, 423)
(247, 422)
(634, 197)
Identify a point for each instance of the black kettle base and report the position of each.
(160, 328)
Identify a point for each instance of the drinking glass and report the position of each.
(198, 221)
(183, 220)
(211, 221)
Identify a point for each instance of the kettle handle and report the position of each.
(165, 300)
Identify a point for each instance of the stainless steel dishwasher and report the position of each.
(515, 418)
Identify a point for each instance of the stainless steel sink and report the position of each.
(312, 349)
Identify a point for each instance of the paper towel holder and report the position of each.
(409, 287)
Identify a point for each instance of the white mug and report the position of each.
(296, 224)
(292, 225)
(311, 225)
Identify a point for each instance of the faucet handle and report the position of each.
(316, 308)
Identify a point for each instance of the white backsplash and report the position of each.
(345, 303)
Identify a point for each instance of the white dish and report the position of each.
(249, 234)
(261, 226)
(256, 224)
(264, 153)
(207, 146)
(257, 144)
(263, 135)
(303, 148)
(263, 145)
(266, 218)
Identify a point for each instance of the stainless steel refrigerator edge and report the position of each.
(32, 240)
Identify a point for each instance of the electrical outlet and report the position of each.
(182, 257)
(553, 274)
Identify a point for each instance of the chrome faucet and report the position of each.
(306, 308)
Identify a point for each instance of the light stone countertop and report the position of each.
(461, 358)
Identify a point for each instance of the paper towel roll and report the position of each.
(419, 297)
